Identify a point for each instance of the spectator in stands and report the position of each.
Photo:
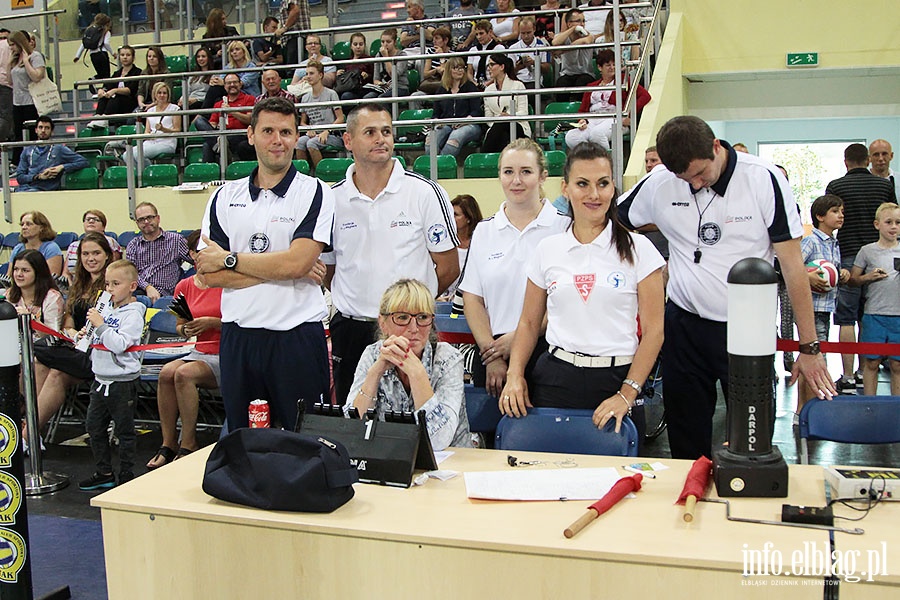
(87, 10)
(576, 65)
(506, 29)
(595, 20)
(267, 51)
(177, 394)
(26, 67)
(93, 221)
(604, 370)
(271, 87)
(467, 215)
(158, 254)
(411, 33)
(634, 15)
(294, 16)
(609, 36)
(546, 23)
(6, 88)
(194, 94)
(494, 283)
(37, 234)
(503, 78)
(161, 121)
(235, 120)
(451, 138)
(434, 67)
(740, 147)
(463, 32)
(603, 102)
(100, 54)
(314, 141)
(40, 168)
(59, 367)
(217, 27)
(409, 370)
(387, 72)
(651, 159)
(527, 53)
(478, 63)
(33, 290)
(880, 157)
(862, 193)
(366, 70)
(238, 59)
(118, 97)
(156, 65)
(314, 52)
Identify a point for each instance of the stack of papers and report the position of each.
(541, 484)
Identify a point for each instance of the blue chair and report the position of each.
(4, 268)
(443, 308)
(145, 300)
(449, 323)
(127, 236)
(482, 410)
(11, 239)
(64, 238)
(570, 431)
(164, 321)
(850, 420)
(163, 303)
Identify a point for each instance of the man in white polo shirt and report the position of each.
(264, 234)
(389, 224)
(716, 207)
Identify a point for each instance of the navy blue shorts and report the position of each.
(279, 366)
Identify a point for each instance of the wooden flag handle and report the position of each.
(581, 523)
(689, 505)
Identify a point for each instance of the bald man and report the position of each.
(880, 157)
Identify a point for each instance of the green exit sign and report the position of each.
(803, 59)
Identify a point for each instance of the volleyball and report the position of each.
(827, 271)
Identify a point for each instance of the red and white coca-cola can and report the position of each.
(259, 414)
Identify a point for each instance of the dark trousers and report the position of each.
(239, 147)
(579, 80)
(116, 105)
(694, 357)
(21, 114)
(100, 60)
(349, 339)
(497, 137)
(114, 402)
(281, 367)
(6, 113)
(213, 95)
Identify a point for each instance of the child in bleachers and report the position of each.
(827, 214)
(877, 266)
(116, 374)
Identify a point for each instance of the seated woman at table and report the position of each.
(493, 286)
(593, 281)
(409, 370)
(178, 381)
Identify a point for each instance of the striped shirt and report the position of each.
(862, 193)
(158, 261)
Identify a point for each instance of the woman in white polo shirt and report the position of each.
(494, 282)
(593, 281)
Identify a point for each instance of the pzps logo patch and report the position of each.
(710, 234)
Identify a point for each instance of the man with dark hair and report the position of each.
(267, 51)
(261, 238)
(158, 254)
(41, 167)
(381, 210)
(576, 66)
(234, 120)
(716, 206)
(862, 193)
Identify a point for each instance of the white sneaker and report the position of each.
(98, 124)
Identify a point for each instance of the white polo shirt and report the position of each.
(522, 49)
(241, 217)
(592, 301)
(498, 256)
(748, 209)
(380, 240)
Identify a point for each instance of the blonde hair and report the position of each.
(125, 266)
(885, 206)
(529, 145)
(236, 44)
(410, 295)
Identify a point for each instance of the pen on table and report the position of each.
(644, 473)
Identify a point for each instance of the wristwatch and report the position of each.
(810, 348)
(231, 260)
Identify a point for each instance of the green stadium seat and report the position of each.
(193, 154)
(301, 165)
(557, 108)
(375, 46)
(402, 160)
(341, 51)
(411, 115)
(239, 169)
(480, 165)
(160, 175)
(446, 166)
(413, 78)
(115, 177)
(201, 172)
(556, 161)
(177, 63)
(285, 83)
(89, 133)
(333, 169)
(82, 179)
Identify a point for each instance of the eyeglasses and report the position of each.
(458, 67)
(146, 219)
(92, 220)
(403, 319)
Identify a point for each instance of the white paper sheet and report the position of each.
(541, 484)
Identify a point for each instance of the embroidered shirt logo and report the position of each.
(585, 285)
(259, 243)
(401, 221)
(436, 233)
(616, 279)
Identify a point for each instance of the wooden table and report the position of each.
(165, 538)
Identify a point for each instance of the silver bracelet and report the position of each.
(625, 400)
(634, 384)
(366, 395)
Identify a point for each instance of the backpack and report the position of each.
(92, 38)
